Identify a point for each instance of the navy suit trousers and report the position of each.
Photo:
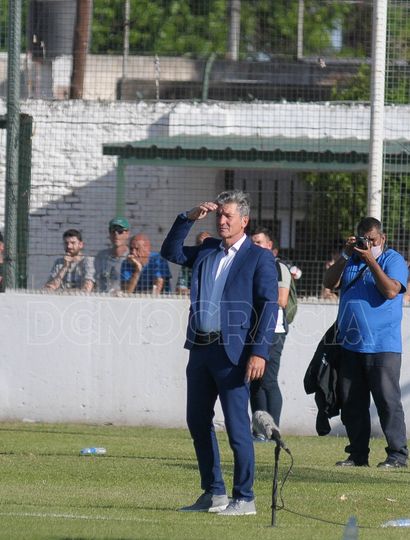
(211, 374)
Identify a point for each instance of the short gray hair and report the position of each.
(235, 196)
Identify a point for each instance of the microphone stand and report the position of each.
(275, 484)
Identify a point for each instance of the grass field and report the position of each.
(48, 491)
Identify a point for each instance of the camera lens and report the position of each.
(361, 243)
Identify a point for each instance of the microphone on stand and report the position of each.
(262, 422)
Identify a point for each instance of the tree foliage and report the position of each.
(272, 25)
(198, 27)
(337, 199)
(3, 25)
(397, 90)
(4, 21)
(396, 187)
(168, 27)
(396, 211)
(357, 89)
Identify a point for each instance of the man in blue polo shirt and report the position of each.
(145, 271)
(369, 322)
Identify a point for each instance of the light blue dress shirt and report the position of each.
(214, 274)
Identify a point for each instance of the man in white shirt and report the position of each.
(265, 392)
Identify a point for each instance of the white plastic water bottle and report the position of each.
(93, 451)
(402, 522)
(351, 530)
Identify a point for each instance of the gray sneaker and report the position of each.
(239, 507)
(207, 502)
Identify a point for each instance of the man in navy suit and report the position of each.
(231, 327)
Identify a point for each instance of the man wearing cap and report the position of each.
(108, 261)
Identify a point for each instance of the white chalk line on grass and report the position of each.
(73, 516)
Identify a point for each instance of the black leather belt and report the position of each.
(203, 338)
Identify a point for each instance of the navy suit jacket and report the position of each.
(249, 302)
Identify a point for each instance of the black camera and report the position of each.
(362, 242)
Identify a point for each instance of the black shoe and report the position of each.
(349, 462)
(391, 463)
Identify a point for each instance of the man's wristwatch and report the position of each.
(345, 255)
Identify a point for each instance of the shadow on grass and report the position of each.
(120, 431)
(104, 457)
(56, 509)
(362, 475)
(86, 538)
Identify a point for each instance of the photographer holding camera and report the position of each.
(369, 332)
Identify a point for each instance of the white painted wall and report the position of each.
(100, 359)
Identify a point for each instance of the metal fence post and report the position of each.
(13, 135)
(23, 200)
(375, 179)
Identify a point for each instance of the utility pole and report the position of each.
(80, 47)
(301, 14)
(234, 29)
(126, 45)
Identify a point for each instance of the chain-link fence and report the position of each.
(144, 108)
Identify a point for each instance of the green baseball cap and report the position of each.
(119, 221)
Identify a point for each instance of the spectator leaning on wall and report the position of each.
(144, 270)
(74, 270)
(108, 261)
